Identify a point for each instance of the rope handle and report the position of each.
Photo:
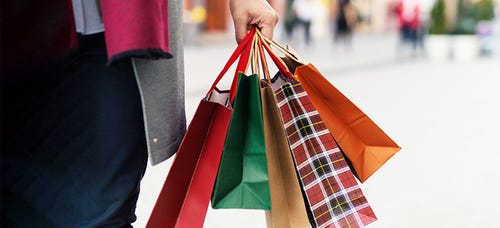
(277, 60)
(280, 47)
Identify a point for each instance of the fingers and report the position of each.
(267, 28)
(265, 24)
(241, 29)
(248, 13)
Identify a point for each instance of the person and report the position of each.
(304, 11)
(345, 20)
(408, 14)
(290, 19)
(81, 107)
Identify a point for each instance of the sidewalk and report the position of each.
(204, 61)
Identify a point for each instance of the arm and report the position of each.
(252, 12)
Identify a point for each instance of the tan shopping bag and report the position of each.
(288, 209)
(288, 206)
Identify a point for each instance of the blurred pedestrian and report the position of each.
(290, 20)
(346, 18)
(80, 108)
(408, 14)
(305, 11)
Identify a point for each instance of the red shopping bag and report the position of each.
(184, 198)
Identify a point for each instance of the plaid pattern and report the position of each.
(334, 196)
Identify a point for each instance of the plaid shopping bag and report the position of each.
(366, 146)
(288, 208)
(334, 196)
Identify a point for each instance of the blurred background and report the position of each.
(426, 71)
(469, 25)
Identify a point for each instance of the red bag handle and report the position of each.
(244, 55)
(242, 64)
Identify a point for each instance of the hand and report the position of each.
(247, 13)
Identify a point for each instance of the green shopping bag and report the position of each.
(242, 179)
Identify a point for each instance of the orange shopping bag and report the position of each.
(366, 146)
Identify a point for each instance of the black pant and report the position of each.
(307, 29)
(73, 142)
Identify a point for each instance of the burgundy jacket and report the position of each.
(136, 28)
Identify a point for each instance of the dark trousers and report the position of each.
(73, 142)
(409, 35)
(307, 29)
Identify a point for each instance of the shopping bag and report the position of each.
(184, 198)
(287, 202)
(288, 208)
(242, 179)
(363, 142)
(332, 192)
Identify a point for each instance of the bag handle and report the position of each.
(242, 64)
(279, 63)
(265, 68)
(255, 56)
(257, 52)
(244, 55)
(285, 50)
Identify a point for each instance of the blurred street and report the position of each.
(444, 114)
